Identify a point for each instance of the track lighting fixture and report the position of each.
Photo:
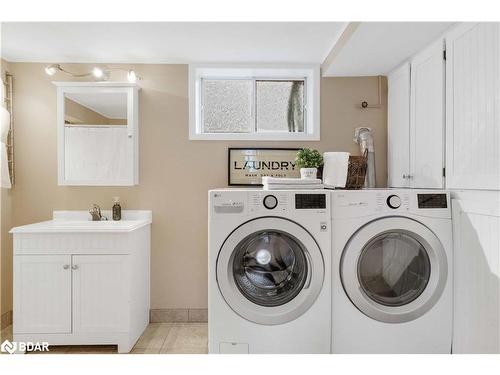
(99, 73)
(52, 69)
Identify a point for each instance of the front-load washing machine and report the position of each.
(392, 271)
(269, 273)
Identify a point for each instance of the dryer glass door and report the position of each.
(394, 269)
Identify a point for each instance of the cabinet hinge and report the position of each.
(444, 172)
(444, 54)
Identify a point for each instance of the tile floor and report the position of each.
(158, 338)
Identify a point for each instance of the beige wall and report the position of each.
(179, 204)
(78, 114)
(5, 240)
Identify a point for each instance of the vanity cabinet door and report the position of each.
(100, 293)
(42, 294)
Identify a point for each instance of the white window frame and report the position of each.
(309, 73)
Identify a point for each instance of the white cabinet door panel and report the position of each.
(100, 297)
(473, 106)
(398, 123)
(427, 118)
(42, 294)
(476, 325)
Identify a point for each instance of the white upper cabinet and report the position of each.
(427, 118)
(416, 121)
(98, 133)
(473, 106)
(398, 122)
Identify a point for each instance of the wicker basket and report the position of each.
(356, 172)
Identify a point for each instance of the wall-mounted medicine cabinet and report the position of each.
(98, 133)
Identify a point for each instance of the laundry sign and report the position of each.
(247, 166)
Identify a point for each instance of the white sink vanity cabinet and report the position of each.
(81, 282)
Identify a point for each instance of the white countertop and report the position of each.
(79, 222)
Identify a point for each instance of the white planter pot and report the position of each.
(308, 173)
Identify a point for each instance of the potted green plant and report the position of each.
(308, 160)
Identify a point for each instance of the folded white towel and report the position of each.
(335, 168)
(292, 187)
(292, 181)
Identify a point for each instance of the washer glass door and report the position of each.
(270, 267)
(270, 270)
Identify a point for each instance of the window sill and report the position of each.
(254, 137)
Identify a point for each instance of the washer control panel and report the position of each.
(227, 202)
(281, 201)
(264, 201)
(270, 202)
(310, 201)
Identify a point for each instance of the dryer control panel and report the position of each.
(436, 200)
(362, 203)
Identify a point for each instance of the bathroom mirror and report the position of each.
(99, 109)
(97, 133)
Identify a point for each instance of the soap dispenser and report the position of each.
(117, 209)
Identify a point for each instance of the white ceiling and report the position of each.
(168, 42)
(375, 48)
(109, 105)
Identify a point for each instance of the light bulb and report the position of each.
(97, 72)
(131, 76)
(52, 69)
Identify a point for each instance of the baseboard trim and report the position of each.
(178, 315)
(155, 316)
(6, 319)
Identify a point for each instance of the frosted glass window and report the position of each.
(254, 103)
(228, 106)
(280, 106)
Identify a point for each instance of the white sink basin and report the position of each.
(78, 222)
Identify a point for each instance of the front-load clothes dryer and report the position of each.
(392, 271)
(269, 271)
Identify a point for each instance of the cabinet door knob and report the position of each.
(404, 177)
(66, 266)
(74, 267)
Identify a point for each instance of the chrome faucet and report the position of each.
(95, 212)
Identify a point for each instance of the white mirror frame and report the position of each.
(132, 91)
